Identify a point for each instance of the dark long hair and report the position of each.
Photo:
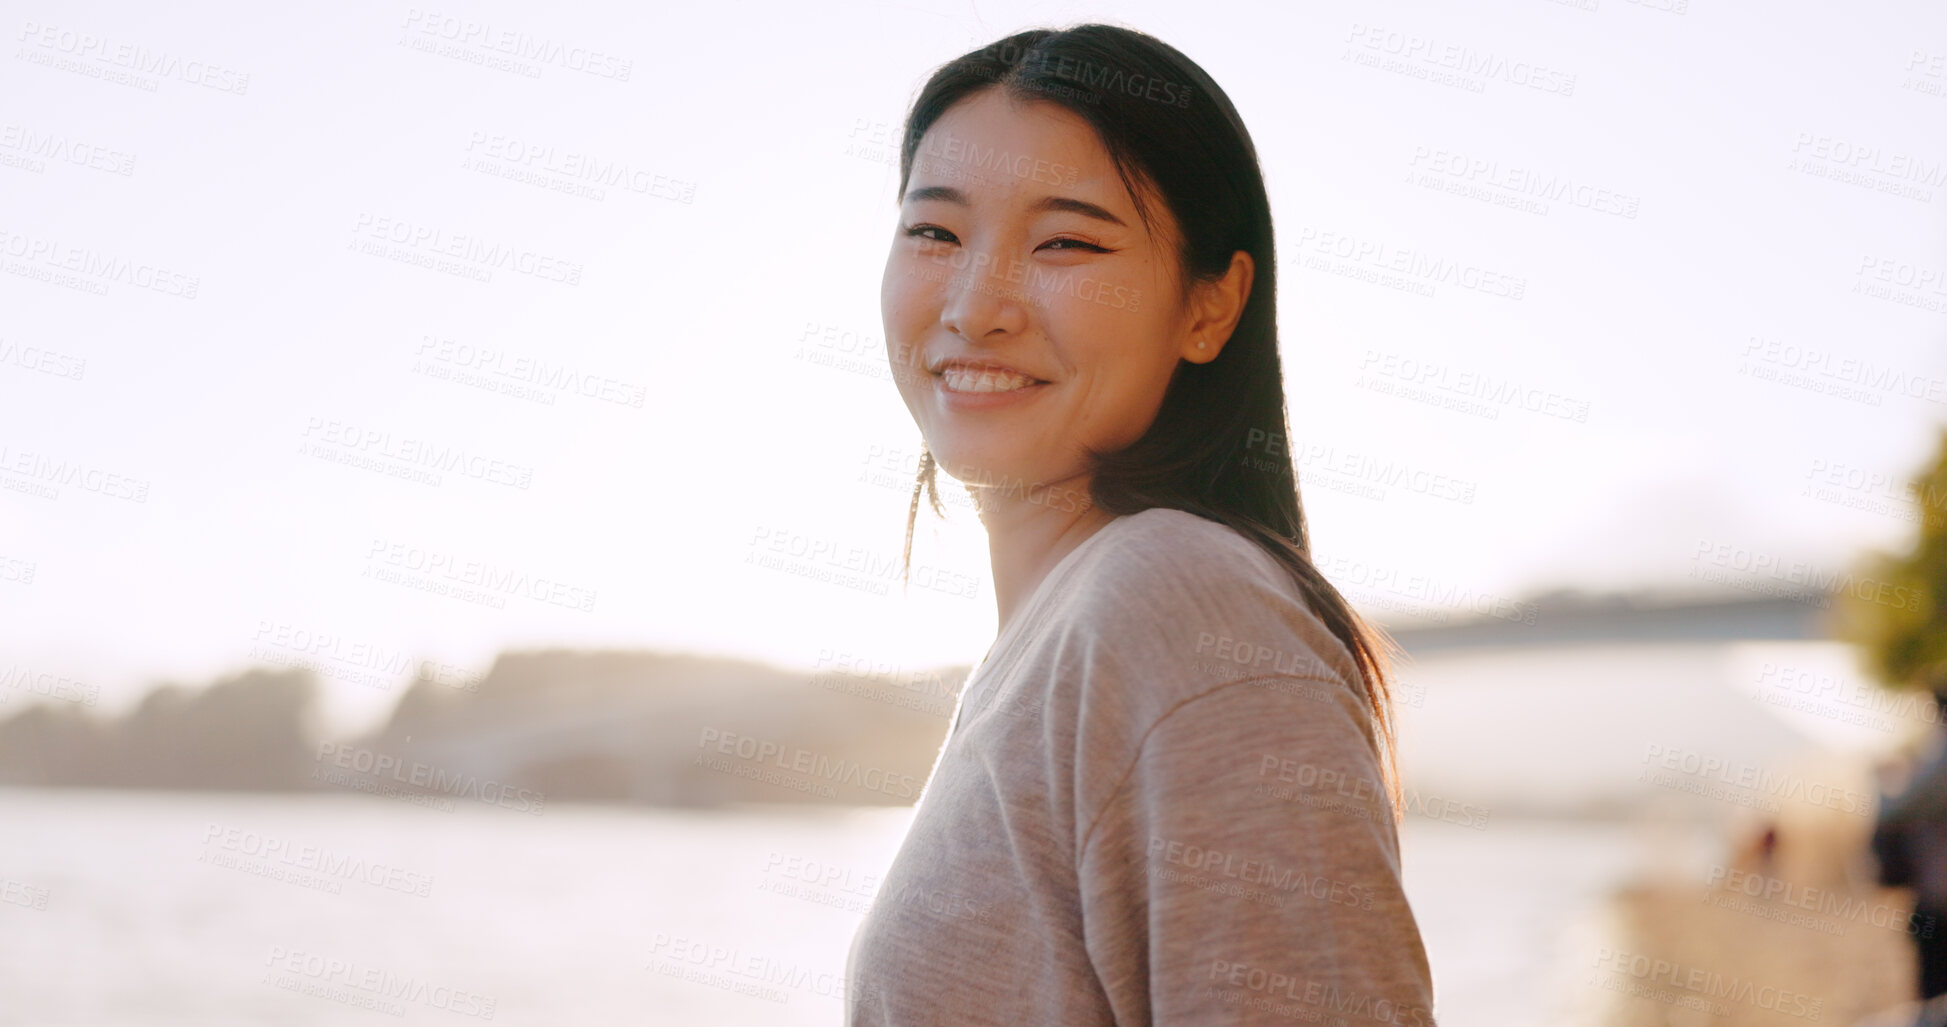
(1218, 447)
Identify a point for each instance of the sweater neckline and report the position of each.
(1010, 639)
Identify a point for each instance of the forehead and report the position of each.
(994, 147)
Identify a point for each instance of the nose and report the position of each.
(978, 302)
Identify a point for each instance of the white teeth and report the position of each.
(960, 379)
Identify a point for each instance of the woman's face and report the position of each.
(1019, 250)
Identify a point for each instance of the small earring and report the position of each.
(1199, 343)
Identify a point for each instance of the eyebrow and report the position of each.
(1067, 204)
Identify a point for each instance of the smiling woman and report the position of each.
(1167, 795)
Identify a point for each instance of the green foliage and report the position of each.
(1901, 629)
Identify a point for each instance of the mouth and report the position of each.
(983, 378)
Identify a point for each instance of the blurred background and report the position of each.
(452, 492)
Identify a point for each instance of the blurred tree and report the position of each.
(425, 707)
(254, 730)
(1896, 609)
(53, 744)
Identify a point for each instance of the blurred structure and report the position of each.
(1910, 845)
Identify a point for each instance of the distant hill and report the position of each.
(540, 727)
(673, 729)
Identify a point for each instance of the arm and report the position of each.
(1246, 869)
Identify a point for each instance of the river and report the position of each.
(126, 908)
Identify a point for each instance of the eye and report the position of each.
(1078, 244)
(919, 231)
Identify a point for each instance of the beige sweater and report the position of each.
(1160, 803)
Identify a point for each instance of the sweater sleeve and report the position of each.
(1246, 868)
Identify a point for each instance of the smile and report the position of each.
(969, 380)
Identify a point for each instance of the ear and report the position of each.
(1214, 309)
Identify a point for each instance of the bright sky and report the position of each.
(230, 411)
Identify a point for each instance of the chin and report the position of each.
(977, 469)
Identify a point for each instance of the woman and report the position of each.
(1161, 799)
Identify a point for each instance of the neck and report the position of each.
(1028, 534)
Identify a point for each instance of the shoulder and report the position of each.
(1175, 604)
(1186, 647)
(1167, 546)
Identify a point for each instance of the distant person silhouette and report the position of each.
(1910, 844)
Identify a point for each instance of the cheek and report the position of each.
(1123, 364)
(889, 293)
(904, 298)
(904, 315)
